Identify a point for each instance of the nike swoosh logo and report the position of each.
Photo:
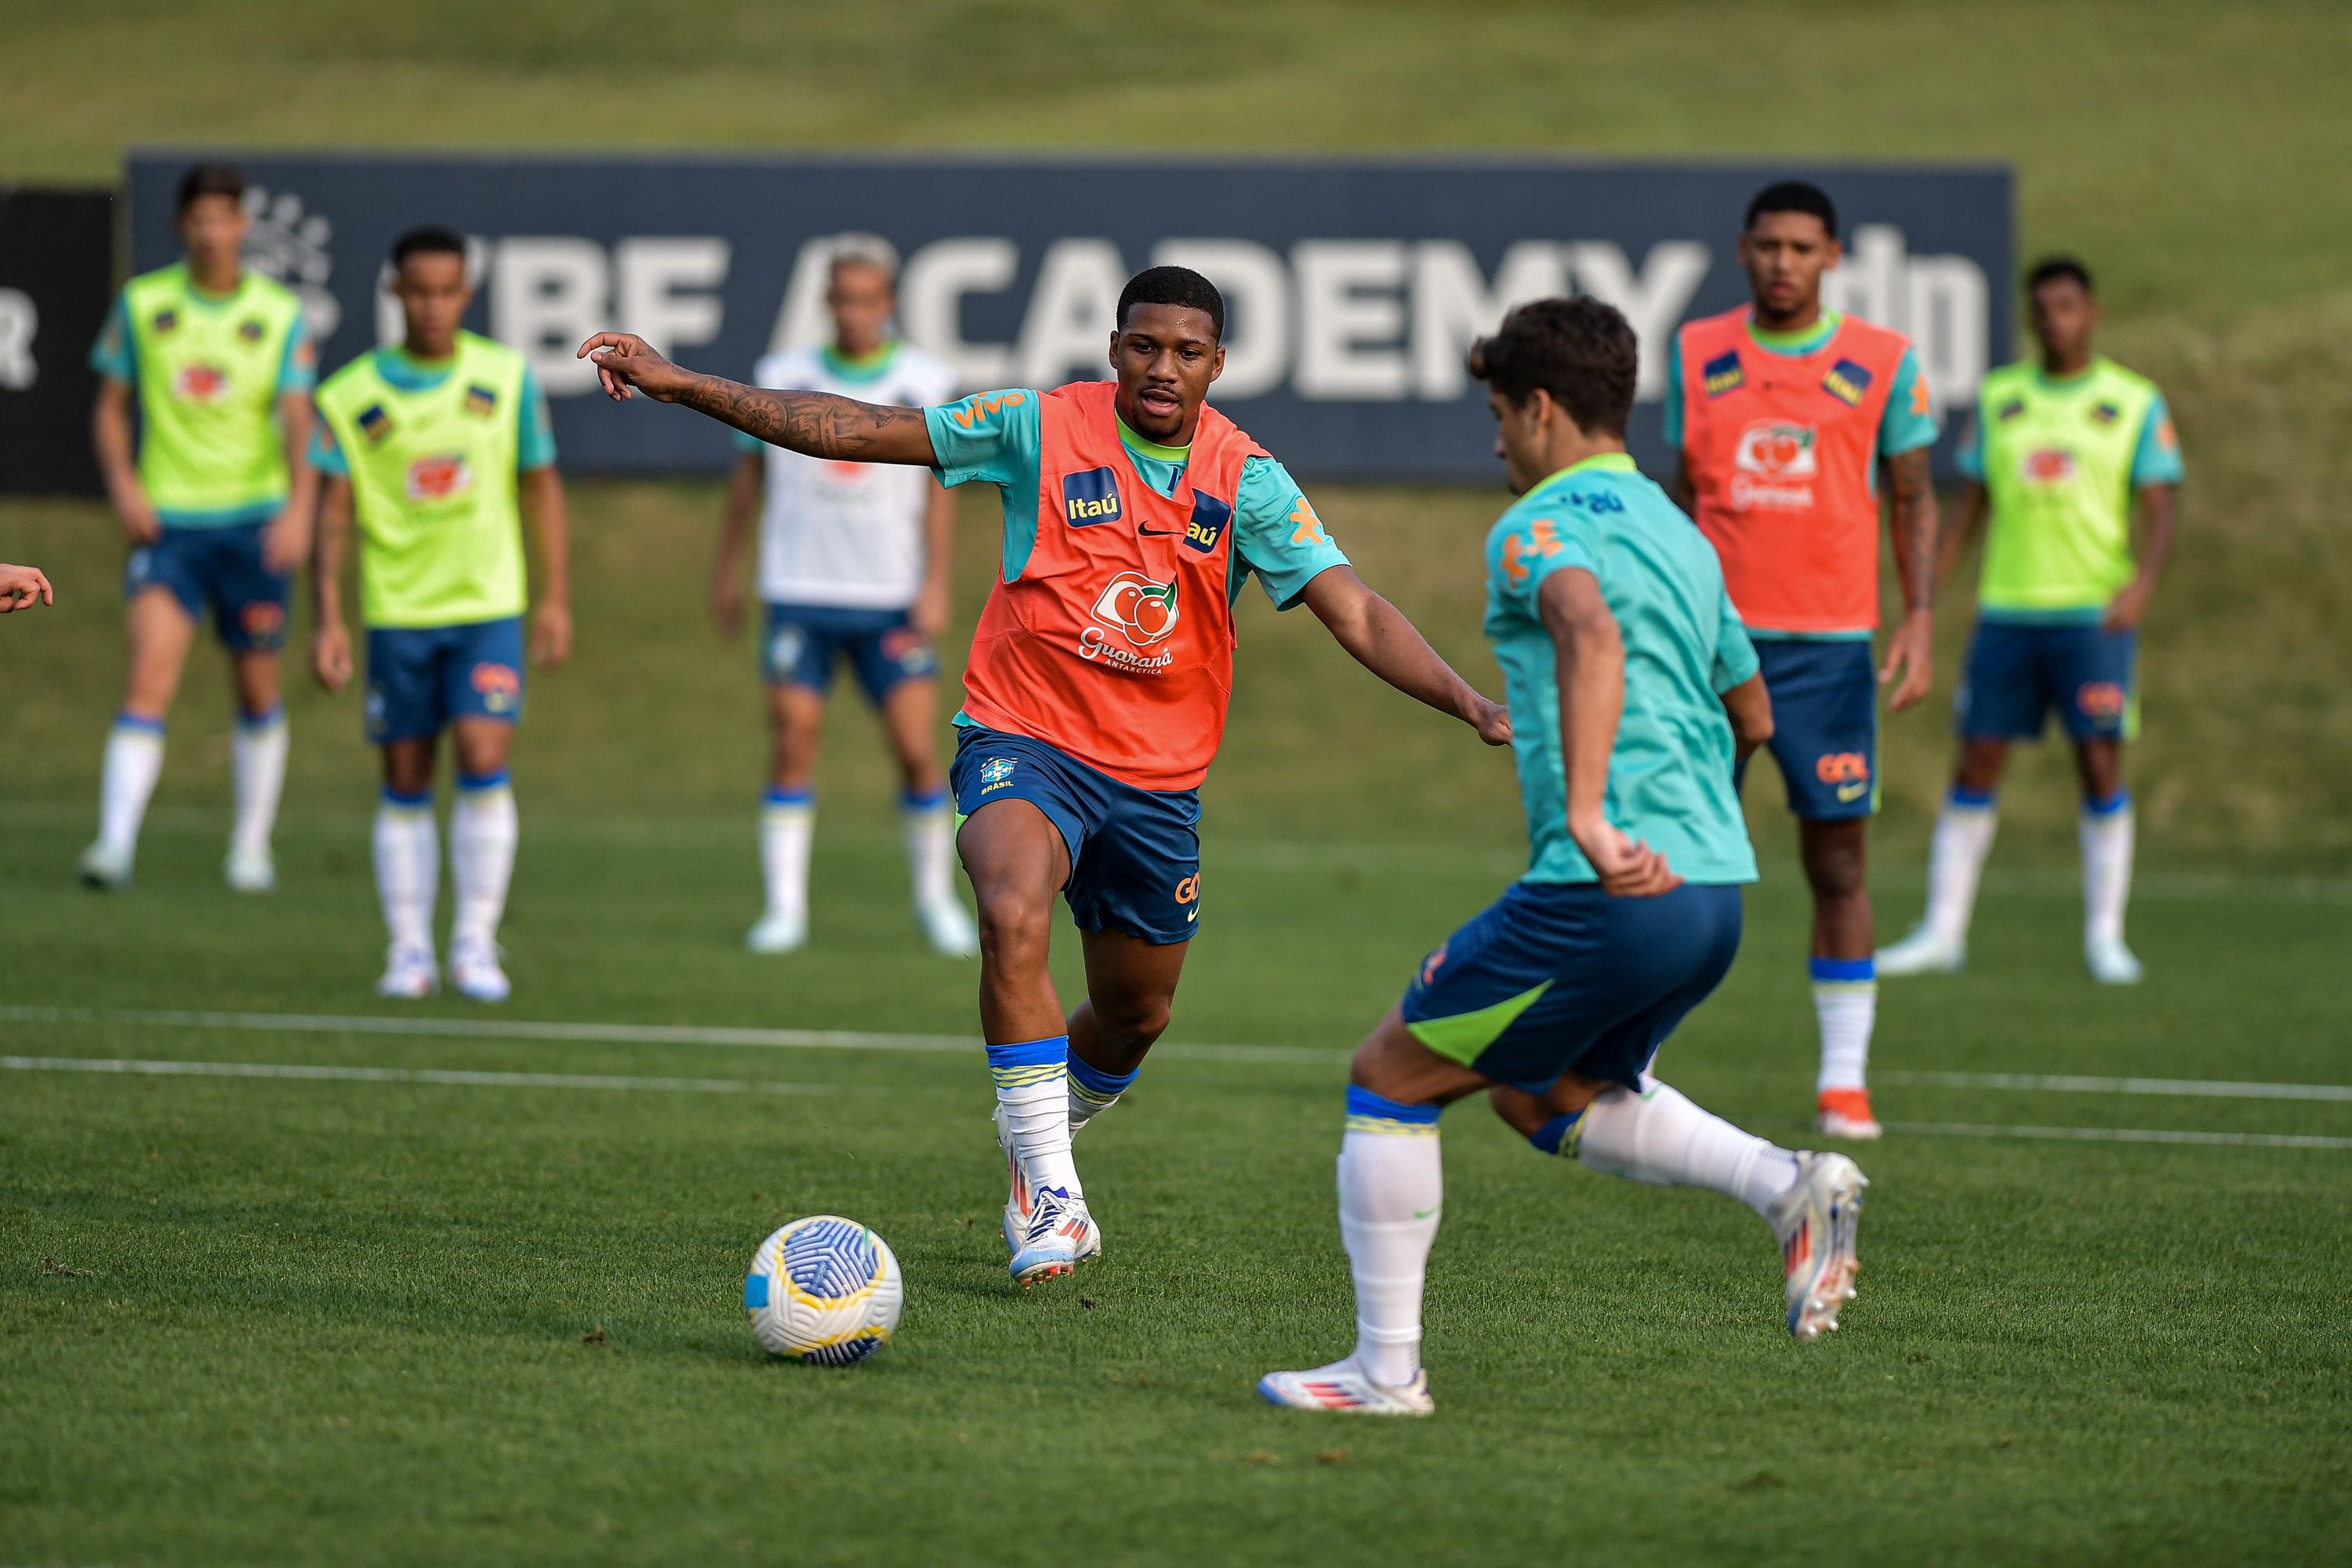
(1852, 791)
(1191, 915)
(1424, 1214)
(1159, 533)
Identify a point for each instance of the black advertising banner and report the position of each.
(1354, 285)
(56, 278)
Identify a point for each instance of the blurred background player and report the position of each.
(2056, 451)
(1095, 695)
(1783, 412)
(852, 562)
(216, 508)
(23, 587)
(1631, 684)
(439, 448)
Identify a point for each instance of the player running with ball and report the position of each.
(1632, 686)
(1095, 695)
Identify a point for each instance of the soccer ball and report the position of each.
(825, 1290)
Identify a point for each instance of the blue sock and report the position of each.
(1093, 1091)
(1370, 1112)
(1552, 1137)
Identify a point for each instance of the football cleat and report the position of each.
(474, 970)
(2111, 962)
(1845, 1113)
(105, 868)
(409, 974)
(948, 928)
(1816, 1220)
(1059, 1231)
(250, 871)
(1922, 952)
(778, 932)
(1016, 1197)
(1341, 1387)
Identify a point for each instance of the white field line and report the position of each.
(2069, 1083)
(2118, 1135)
(408, 1075)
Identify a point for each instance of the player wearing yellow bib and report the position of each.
(216, 506)
(2058, 450)
(439, 449)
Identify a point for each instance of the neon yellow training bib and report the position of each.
(208, 375)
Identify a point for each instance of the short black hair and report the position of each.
(431, 239)
(2055, 268)
(1581, 350)
(210, 180)
(1179, 286)
(1794, 196)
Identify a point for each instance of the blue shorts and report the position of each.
(423, 678)
(802, 643)
(1556, 978)
(220, 567)
(1134, 854)
(2017, 674)
(1824, 724)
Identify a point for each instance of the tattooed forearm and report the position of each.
(817, 424)
(1914, 525)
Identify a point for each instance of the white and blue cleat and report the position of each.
(476, 973)
(1816, 1220)
(2111, 962)
(1921, 952)
(1017, 1198)
(1343, 1387)
(1058, 1234)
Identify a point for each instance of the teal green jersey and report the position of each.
(1002, 447)
(1670, 780)
(1907, 425)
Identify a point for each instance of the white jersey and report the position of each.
(847, 534)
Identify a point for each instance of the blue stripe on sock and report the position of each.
(1971, 799)
(1364, 1103)
(1832, 971)
(791, 797)
(2109, 807)
(922, 800)
(128, 720)
(1031, 1053)
(271, 715)
(423, 798)
(1100, 1084)
(1553, 1133)
(483, 781)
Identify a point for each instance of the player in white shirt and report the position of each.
(853, 563)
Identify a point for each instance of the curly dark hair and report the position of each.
(1174, 286)
(1580, 350)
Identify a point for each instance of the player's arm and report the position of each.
(23, 585)
(1589, 659)
(285, 543)
(1953, 543)
(744, 483)
(2159, 520)
(1377, 634)
(118, 464)
(1749, 708)
(929, 614)
(541, 490)
(814, 424)
(1910, 665)
(331, 639)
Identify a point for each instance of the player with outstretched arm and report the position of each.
(1095, 695)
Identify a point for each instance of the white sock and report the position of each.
(1031, 1085)
(408, 867)
(928, 823)
(2107, 833)
(481, 856)
(787, 823)
(1956, 860)
(256, 758)
(1392, 1186)
(135, 758)
(1845, 1000)
(1659, 1137)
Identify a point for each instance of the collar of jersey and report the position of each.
(1142, 447)
(1599, 463)
(860, 367)
(213, 301)
(1796, 344)
(2074, 382)
(409, 374)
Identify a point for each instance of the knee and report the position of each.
(1834, 869)
(1015, 923)
(1132, 1025)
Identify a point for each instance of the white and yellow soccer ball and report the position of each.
(825, 1290)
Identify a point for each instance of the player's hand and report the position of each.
(139, 522)
(1628, 868)
(928, 614)
(626, 363)
(1910, 666)
(331, 654)
(725, 601)
(285, 543)
(24, 585)
(2124, 610)
(551, 635)
(1493, 722)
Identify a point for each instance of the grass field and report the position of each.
(396, 1286)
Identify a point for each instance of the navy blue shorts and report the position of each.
(1134, 854)
(423, 678)
(1559, 977)
(1824, 724)
(219, 567)
(803, 642)
(2018, 674)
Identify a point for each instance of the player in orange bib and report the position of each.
(1784, 413)
(1095, 695)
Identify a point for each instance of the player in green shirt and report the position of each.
(217, 506)
(439, 448)
(2060, 448)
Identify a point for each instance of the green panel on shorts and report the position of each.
(1465, 1036)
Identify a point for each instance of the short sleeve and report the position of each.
(991, 436)
(1671, 404)
(114, 356)
(1909, 422)
(1735, 656)
(1525, 552)
(327, 452)
(1969, 456)
(1277, 533)
(535, 437)
(2156, 460)
(297, 368)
